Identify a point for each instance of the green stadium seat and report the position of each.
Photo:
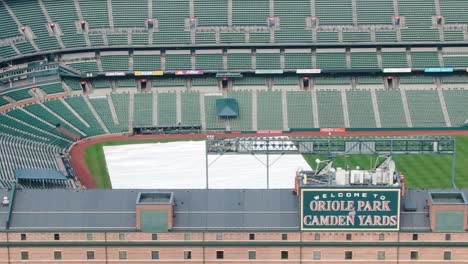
(330, 108)
(361, 112)
(391, 108)
(239, 61)
(147, 62)
(114, 63)
(300, 114)
(296, 60)
(121, 102)
(269, 110)
(190, 108)
(167, 111)
(209, 60)
(244, 121)
(213, 122)
(455, 101)
(143, 110)
(370, 12)
(101, 105)
(292, 15)
(425, 108)
(270, 60)
(339, 12)
(178, 62)
(211, 13)
(364, 60)
(250, 13)
(127, 14)
(331, 60)
(95, 13)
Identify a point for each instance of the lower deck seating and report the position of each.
(361, 112)
(269, 110)
(330, 109)
(425, 108)
(300, 114)
(143, 109)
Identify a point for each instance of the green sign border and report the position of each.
(350, 190)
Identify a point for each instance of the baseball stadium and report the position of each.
(234, 131)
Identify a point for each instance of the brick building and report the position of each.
(218, 226)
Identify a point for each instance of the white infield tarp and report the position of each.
(181, 165)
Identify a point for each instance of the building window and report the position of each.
(447, 255)
(317, 237)
(284, 236)
(121, 236)
(252, 254)
(251, 236)
(57, 255)
(348, 236)
(89, 236)
(348, 255)
(154, 236)
(89, 255)
(317, 255)
(23, 237)
(187, 254)
(414, 255)
(219, 236)
(24, 255)
(380, 255)
(415, 236)
(154, 254)
(381, 237)
(448, 237)
(284, 254)
(219, 254)
(56, 236)
(122, 255)
(187, 236)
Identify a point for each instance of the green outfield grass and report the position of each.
(421, 171)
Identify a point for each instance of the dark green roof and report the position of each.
(38, 174)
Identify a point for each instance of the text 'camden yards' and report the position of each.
(350, 209)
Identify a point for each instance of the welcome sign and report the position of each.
(350, 209)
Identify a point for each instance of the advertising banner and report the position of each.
(308, 71)
(109, 74)
(438, 70)
(269, 72)
(190, 72)
(397, 70)
(350, 209)
(333, 130)
(149, 73)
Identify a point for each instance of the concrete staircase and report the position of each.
(443, 105)
(62, 120)
(284, 103)
(254, 111)
(74, 113)
(155, 109)
(96, 115)
(315, 108)
(375, 107)
(50, 20)
(202, 110)
(344, 102)
(112, 109)
(404, 99)
(131, 111)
